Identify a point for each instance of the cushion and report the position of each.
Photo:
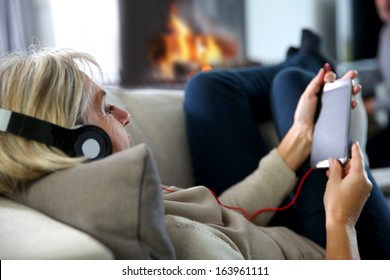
(117, 200)
(27, 234)
(158, 120)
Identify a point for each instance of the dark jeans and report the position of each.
(378, 150)
(223, 109)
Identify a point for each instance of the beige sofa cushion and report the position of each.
(116, 200)
(158, 120)
(28, 234)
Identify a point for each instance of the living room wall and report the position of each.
(273, 26)
(349, 28)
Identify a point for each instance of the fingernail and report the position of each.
(327, 67)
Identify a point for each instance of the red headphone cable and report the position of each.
(291, 203)
(254, 215)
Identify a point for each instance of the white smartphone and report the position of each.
(331, 130)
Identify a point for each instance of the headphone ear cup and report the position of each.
(91, 142)
(88, 141)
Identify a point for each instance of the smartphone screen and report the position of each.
(331, 130)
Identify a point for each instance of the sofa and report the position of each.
(72, 214)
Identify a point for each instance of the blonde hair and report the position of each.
(49, 84)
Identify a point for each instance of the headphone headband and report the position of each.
(88, 140)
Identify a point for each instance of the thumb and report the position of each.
(335, 171)
(316, 84)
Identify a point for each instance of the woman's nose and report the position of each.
(122, 116)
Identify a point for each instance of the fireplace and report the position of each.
(164, 42)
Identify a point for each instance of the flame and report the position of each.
(183, 51)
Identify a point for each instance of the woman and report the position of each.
(52, 85)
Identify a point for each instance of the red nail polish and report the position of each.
(327, 67)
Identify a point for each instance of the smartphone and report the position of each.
(331, 130)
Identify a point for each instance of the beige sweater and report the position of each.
(200, 228)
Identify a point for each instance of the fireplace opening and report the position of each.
(163, 43)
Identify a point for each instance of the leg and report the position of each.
(377, 151)
(222, 132)
(373, 227)
(223, 109)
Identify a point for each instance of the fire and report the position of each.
(181, 52)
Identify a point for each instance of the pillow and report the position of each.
(117, 200)
(165, 135)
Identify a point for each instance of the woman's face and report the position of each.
(110, 118)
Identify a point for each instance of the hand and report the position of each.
(346, 193)
(295, 147)
(357, 88)
(347, 190)
(307, 105)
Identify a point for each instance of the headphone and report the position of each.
(88, 141)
